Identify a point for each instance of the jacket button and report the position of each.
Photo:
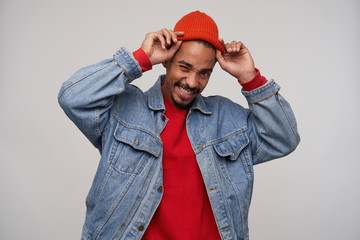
(163, 117)
(141, 228)
(159, 189)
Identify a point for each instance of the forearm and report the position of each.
(272, 123)
(88, 95)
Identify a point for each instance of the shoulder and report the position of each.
(223, 106)
(222, 103)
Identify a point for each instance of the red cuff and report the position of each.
(256, 82)
(143, 60)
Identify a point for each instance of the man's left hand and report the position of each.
(237, 61)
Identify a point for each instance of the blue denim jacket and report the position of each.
(125, 123)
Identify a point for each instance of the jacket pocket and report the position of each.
(135, 147)
(232, 150)
(232, 146)
(235, 165)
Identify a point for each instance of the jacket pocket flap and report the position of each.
(138, 138)
(232, 146)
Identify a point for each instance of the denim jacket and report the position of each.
(125, 123)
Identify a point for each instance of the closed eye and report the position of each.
(184, 68)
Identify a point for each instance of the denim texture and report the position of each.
(125, 123)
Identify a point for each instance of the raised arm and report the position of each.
(88, 95)
(271, 123)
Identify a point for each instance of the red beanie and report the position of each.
(198, 25)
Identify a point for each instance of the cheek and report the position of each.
(173, 76)
(178, 75)
(203, 84)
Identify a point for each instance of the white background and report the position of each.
(311, 48)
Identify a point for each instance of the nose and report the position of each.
(192, 80)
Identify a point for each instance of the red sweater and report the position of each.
(184, 211)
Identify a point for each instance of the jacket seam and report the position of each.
(138, 128)
(287, 117)
(222, 139)
(82, 78)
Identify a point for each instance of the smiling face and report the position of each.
(188, 73)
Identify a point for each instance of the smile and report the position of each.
(183, 90)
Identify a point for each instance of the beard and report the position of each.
(181, 105)
(187, 88)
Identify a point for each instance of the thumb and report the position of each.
(220, 58)
(174, 48)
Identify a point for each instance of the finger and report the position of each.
(228, 47)
(221, 40)
(239, 45)
(243, 47)
(160, 37)
(174, 48)
(179, 34)
(171, 37)
(166, 35)
(235, 46)
(163, 36)
(175, 35)
(219, 57)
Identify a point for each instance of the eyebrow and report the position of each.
(185, 63)
(191, 66)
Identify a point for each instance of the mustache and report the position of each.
(187, 88)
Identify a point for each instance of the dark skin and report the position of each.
(188, 72)
(188, 68)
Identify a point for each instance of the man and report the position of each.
(175, 164)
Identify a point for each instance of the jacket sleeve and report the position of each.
(271, 123)
(88, 95)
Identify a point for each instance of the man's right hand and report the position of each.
(160, 46)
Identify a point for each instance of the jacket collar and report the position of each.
(156, 101)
